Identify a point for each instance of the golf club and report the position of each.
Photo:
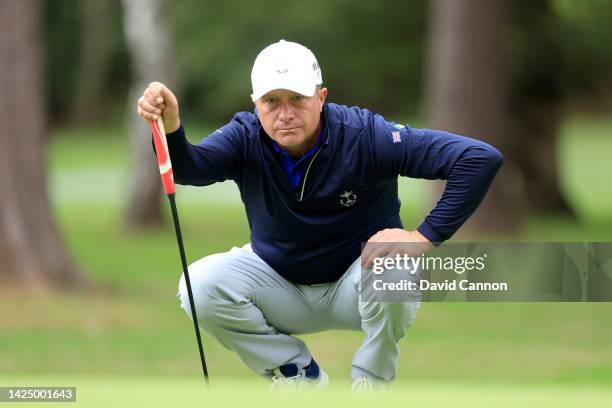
(165, 169)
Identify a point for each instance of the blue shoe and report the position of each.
(290, 377)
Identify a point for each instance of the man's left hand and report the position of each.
(390, 242)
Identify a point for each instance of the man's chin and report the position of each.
(289, 139)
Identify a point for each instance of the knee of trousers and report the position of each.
(397, 316)
(214, 291)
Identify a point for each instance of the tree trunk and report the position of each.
(537, 126)
(150, 45)
(536, 105)
(31, 249)
(90, 102)
(466, 93)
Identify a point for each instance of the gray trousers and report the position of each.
(253, 311)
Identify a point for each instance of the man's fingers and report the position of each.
(160, 91)
(365, 252)
(380, 236)
(156, 87)
(369, 248)
(146, 115)
(159, 101)
(155, 93)
(370, 252)
(152, 96)
(379, 251)
(147, 107)
(147, 111)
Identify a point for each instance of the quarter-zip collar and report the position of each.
(295, 168)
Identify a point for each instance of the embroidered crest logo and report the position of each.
(348, 198)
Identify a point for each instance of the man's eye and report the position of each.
(298, 98)
(270, 100)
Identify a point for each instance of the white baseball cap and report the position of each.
(285, 65)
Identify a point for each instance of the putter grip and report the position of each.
(163, 155)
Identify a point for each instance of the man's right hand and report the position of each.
(157, 100)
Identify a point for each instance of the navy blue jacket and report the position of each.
(349, 189)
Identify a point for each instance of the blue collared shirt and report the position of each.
(295, 167)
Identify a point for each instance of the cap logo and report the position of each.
(282, 71)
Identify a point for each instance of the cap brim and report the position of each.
(306, 90)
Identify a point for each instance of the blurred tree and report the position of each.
(61, 40)
(31, 248)
(86, 61)
(96, 50)
(466, 91)
(153, 59)
(536, 103)
(370, 52)
(583, 31)
(560, 50)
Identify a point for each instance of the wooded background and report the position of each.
(88, 259)
(505, 71)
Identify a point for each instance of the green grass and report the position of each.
(154, 392)
(84, 148)
(143, 331)
(585, 167)
(93, 147)
(123, 259)
(131, 325)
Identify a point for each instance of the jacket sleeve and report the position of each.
(218, 157)
(467, 165)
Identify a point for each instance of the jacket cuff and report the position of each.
(430, 233)
(178, 132)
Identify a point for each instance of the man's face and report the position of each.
(291, 119)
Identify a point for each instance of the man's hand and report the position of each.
(390, 242)
(157, 100)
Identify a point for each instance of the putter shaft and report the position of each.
(179, 239)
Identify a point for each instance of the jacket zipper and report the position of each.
(306, 174)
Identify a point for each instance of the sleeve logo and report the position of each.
(397, 138)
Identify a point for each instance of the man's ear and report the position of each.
(322, 96)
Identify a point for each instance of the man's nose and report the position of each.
(286, 112)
